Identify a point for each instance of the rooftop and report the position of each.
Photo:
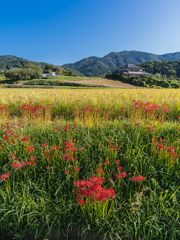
(134, 73)
(132, 66)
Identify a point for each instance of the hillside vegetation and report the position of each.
(7, 62)
(168, 68)
(96, 66)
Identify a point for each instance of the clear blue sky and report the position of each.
(65, 31)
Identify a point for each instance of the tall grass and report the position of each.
(49, 155)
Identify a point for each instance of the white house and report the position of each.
(53, 74)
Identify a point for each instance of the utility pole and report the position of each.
(152, 69)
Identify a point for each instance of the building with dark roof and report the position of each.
(132, 70)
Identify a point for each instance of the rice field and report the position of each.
(90, 164)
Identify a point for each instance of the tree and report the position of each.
(34, 71)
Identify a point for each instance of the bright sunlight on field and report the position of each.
(102, 163)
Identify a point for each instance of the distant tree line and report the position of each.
(59, 71)
(29, 72)
(165, 68)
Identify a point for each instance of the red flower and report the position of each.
(121, 175)
(5, 176)
(55, 147)
(55, 128)
(81, 202)
(99, 170)
(76, 169)
(30, 149)
(137, 179)
(119, 169)
(12, 154)
(67, 128)
(117, 162)
(17, 165)
(106, 162)
(33, 158)
(29, 163)
(48, 167)
(66, 172)
(44, 144)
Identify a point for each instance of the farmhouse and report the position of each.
(48, 74)
(132, 70)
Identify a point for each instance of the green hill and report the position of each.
(168, 68)
(8, 61)
(96, 66)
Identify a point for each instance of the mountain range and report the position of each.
(96, 66)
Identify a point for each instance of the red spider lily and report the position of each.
(33, 158)
(112, 146)
(76, 169)
(119, 169)
(99, 170)
(25, 140)
(138, 179)
(5, 176)
(30, 149)
(29, 163)
(66, 172)
(93, 189)
(80, 149)
(55, 128)
(121, 175)
(12, 154)
(44, 144)
(106, 162)
(137, 124)
(149, 128)
(67, 128)
(17, 165)
(110, 140)
(48, 167)
(55, 147)
(117, 162)
(81, 201)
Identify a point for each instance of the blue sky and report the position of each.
(65, 31)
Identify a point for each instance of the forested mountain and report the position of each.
(168, 68)
(7, 62)
(96, 66)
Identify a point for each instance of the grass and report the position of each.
(99, 132)
(68, 81)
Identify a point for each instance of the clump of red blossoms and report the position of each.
(92, 189)
(138, 179)
(5, 176)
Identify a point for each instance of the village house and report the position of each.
(132, 70)
(49, 74)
